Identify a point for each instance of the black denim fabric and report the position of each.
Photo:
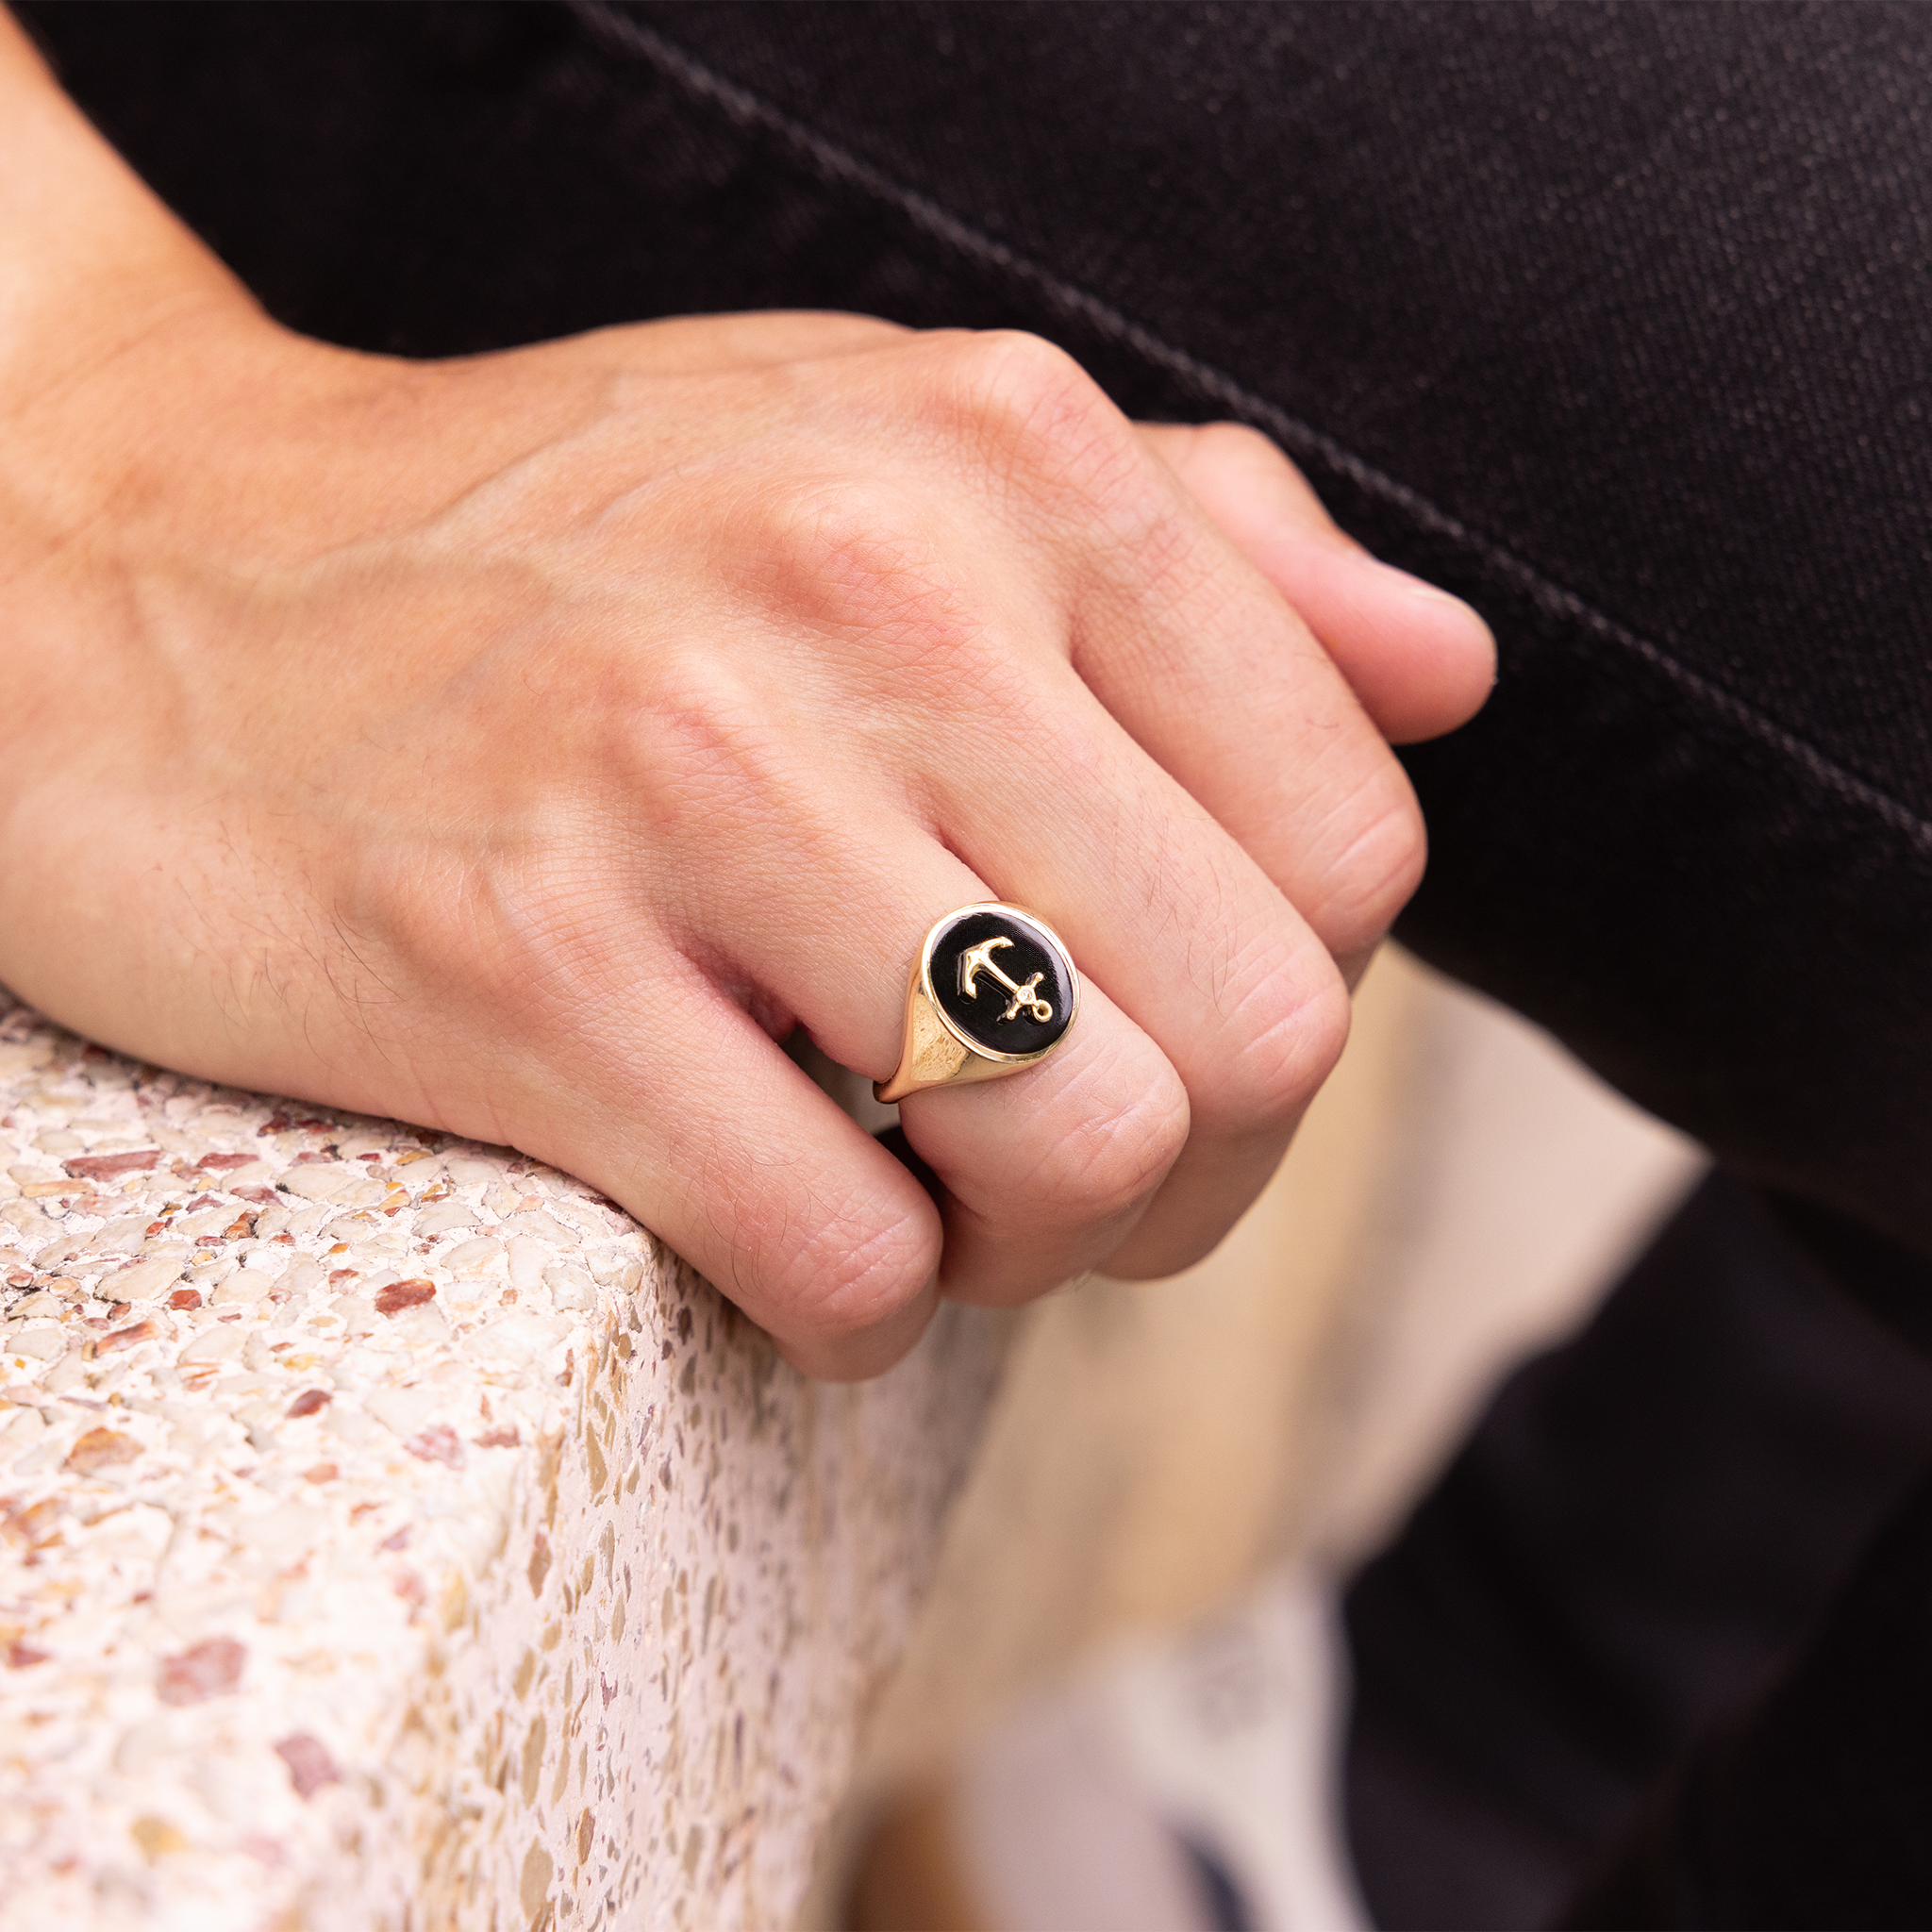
(1774, 1819)
(1613, 318)
(1645, 1521)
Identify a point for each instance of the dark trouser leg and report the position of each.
(1644, 1520)
(1807, 1805)
(1615, 322)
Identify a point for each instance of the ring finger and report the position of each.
(1044, 1174)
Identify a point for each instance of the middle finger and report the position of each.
(1166, 912)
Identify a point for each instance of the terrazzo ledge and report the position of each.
(394, 1534)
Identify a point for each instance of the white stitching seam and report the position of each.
(838, 165)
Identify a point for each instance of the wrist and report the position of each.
(92, 265)
(93, 274)
(87, 255)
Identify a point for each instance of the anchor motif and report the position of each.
(977, 959)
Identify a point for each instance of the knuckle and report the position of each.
(845, 558)
(1287, 1037)
(1036, 418)
(1118, 1156)
(855, 1268)
(518, 949)
(696, 747)
(1010, 368)
(1247, 482)
(811, 538)
(1380, 866)
(495, 942)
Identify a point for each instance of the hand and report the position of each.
(523, 745)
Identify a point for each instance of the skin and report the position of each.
(522, 745)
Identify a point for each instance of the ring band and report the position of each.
(992, 992)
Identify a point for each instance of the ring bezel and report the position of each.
(1039, 926)
(924, 1059)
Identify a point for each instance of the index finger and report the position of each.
(1205, 665)
(1419, 661)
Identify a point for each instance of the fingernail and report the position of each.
(1429, 594)
(1423, 591)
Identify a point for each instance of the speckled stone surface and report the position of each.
(392, 1534)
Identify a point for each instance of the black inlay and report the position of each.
(981, 1015)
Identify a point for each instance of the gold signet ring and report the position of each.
(993, 992)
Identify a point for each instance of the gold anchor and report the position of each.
(977, 959)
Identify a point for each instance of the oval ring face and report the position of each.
(1002, 980)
